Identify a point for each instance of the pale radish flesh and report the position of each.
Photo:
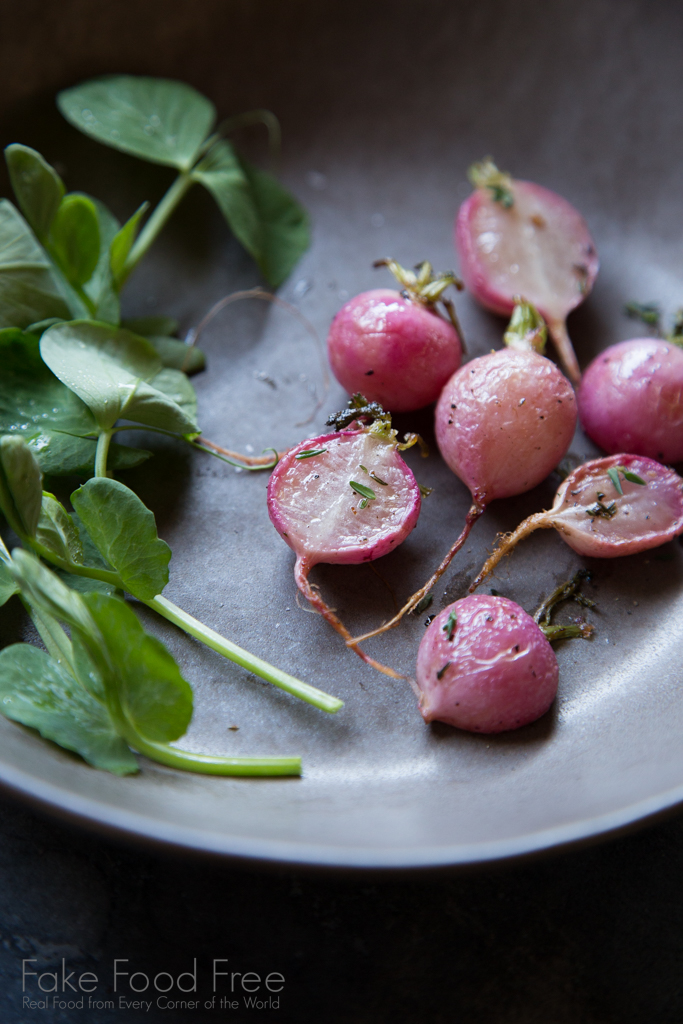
(395, 347)
(346, 497)
(503, 422)
(485, 666)
(631, 399)
(530, 242)
(606, 508)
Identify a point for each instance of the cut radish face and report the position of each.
(484, 665)
(607, 508)
(395, 347)
(518, 238)
(631, 399)
(345, 497)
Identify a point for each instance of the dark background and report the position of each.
(586, 937)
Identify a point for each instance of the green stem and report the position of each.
(85, 299)
(102, 451)
(209, 764)
(155, 223)
(261, 668)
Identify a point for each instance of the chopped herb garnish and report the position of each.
(443, 668)
(613, 474)
(606, 511)
(425, 491)
(371, 473)
(648, 312)
(365, 492)
(423, 604)
(310, 452)
(449, 626)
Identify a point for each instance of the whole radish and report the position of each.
(486, 666)
(395, 347)
(631, 399)
(608, 507)
(518, 238)
(503, 422)
(345, 497)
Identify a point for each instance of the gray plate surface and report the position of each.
(382, 110)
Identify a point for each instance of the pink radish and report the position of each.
(608, 507)
(345, 497)
(485, 666)
(395, 347)
(518, 238)
(631, 399)
(503, 422)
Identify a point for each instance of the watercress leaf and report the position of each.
(75, 238)
(21, 484)
(124, 531)
(122, 242)
(86, 671)
(35, 405)
(44, 589)
(157, 119)
(38, 692)
(57, 531)
(100, 288)
(109, 369)
(176, 386)
(263, 216)
(285, 232)
(37, 186)
(153, 694)
(30, 289)
(7, 585)
(152, 325)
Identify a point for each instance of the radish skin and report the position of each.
(631, 399)
(497, 672)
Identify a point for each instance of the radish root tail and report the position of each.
(538, 521)
(565, 350)
(312, 595)
(475, 511)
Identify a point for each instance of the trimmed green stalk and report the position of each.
(261, 668)
(310, 694)
(155, 224)
(102, 452)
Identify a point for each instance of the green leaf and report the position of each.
(29, 287)
(153, 693)
(52, 597)
(75, 238)
(109, 369)
(37, 186)
(35, 405)
(365, 492)
(156, 119)
(263, 216)
(124, 531)
(21, 485)
(122, 241)
(38, 692)
(177, 355)
(100, 288)
(7, 584)
(151, 325)
(284, 226)
(57, 531)
(613, 474)
(175, 385)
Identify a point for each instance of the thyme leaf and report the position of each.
(598, 509)
(443, 668)
(365, 492)
(450, 625)
(423, 604)
(308, 453)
